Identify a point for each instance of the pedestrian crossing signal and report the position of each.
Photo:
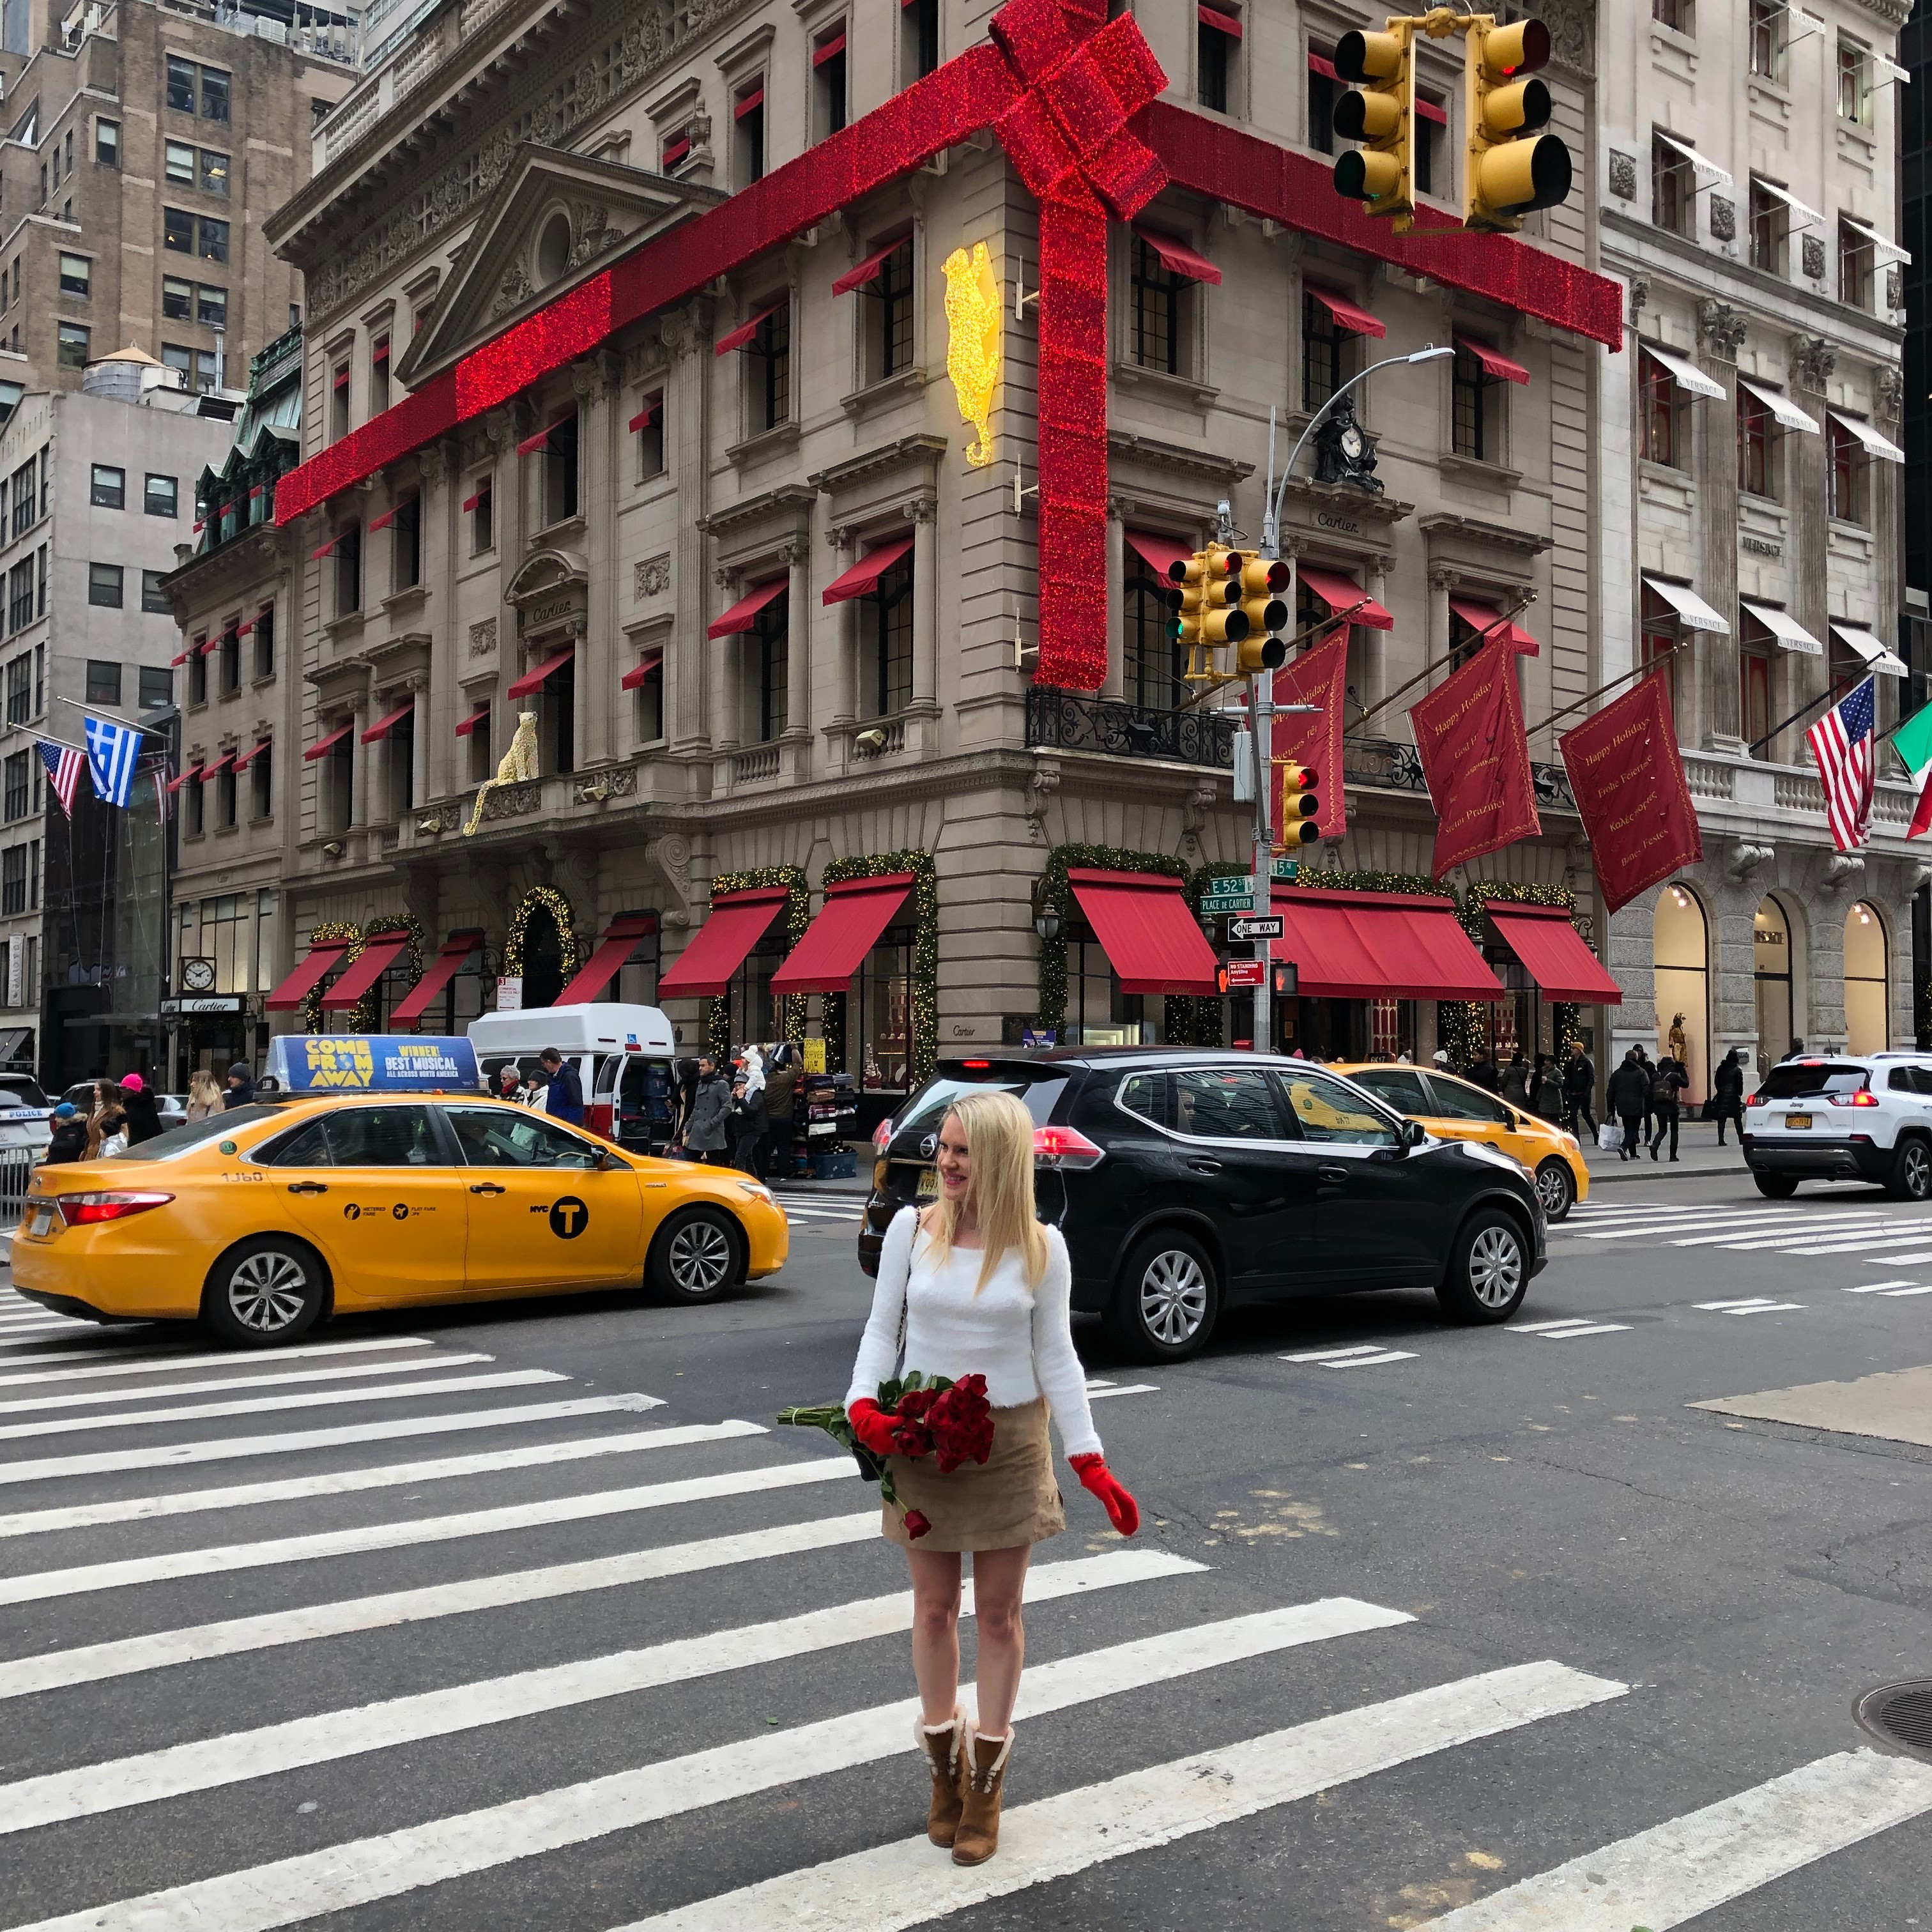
(1509, 170)
(1379, 112)
(1299, 806)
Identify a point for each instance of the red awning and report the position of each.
(642, 420)
(740, 615)
(341, 379)
(321, 551)
(828, 49)
(1221, 23)
(464, 726)
(541, 439)
(675, 151)
(390, 515)
(220, 765)
(863, 577)
(1157, 552)
(369, 966)
(1342, 593)
(1147, 929)
(1370, 946)
(482, 490)
(1487, 617)
(1494, 362)
(1552, 949)
(190, 775)
(323, 746)
(534, 679)
(1429, 111)
(1320, 64)
(306, 976)
(616, 944)
(855, 278)
(743, 333)
(1356, 321)
(173, 662)
(214, 643)
(718, 947)
(243, 759)
(748, 103)
(1178, 258)
(443, 968)
(381, 352)
(835, 944)
(645, 664)
(383, 726)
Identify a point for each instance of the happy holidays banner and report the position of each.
(1475, 756)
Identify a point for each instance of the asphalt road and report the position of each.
(1486, 1628)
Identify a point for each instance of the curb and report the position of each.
(1660, 1170)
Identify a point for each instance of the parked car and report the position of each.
(1186, 1180)
(25, 1110)
(1843, 1116)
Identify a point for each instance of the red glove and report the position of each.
(1098, 1479)
(872, 1426)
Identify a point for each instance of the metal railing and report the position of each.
(17, 1168)
(1075, 720)
(1389, 764)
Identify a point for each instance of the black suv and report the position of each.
(1184, 1179)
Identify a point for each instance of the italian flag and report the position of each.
(1912, 742)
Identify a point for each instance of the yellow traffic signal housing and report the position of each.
(1379, 112)
(1300, 807)
(1510, 169)
(1260, 580)
(1207, 599)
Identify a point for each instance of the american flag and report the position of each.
(1841, 741)
(65, 766)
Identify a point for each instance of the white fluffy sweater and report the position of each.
(1019, 1339)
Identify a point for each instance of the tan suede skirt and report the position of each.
(1009, 1499)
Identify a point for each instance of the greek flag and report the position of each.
(111, 750)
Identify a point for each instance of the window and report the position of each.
(1657, 640)
(1155, 299)
(1675, 14)
(197, 670)
(338, 785)
(1766, 28)
(1754, 719)
(194, 811)
(178, 163)
(19, 690)
(177, 299)
(1768, 221)
(19, 601)
(1470, 429)
(215, 85)
(650, 703)
(480, 763)
(71, 340)
(1754, 445)
(261, 775)
(160, 495)
(177, 230)
(265, 641)
(107, 490)
(771, 352)
(560, 472)
(770, 641)
(196, 365)
(482, 528)
(1854, 72)
(1320, 103)
(18, 784)
(214, 173)
(338, 401)
(231, 661)
(1657, 410)
(1673, 188)
(153, 598)
(405, 544)
(224, 799)
(748, 134)
(888, 618)
(181, 85)
(651, 437)
(349, 571)
(1327, 353)
(107, 143)
(888, 298)
(103, 678)
(1219, 1104)
(1854, 266)
(77, 276)
(1325, 1110)
(919, 29)
(24, 487)
(214, 242)
(13, 879)
(103, 585)
(1151, 657)
(1217, 38)
(156, 687)
(211, 307)
(828, 82)
(494, 1137)
(379, 375)
(1845, 475)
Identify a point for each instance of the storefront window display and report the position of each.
(1770, 947)
(1681, 949)
(1098, 1013)
(754, 1013)
(879, 1007)
(1867, 1005)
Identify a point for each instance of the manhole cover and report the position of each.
(1900, 1714)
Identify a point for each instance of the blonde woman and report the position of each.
(982, 1287)
(204, 1096)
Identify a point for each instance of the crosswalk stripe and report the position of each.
(1866, 1244)
(343, 1482)
(1911, 1260)
(1782, 1237)
(900, 1885)
(170, 1364)
(1899, 1294)
(88, 1664)
(173, 1564)
(1758, 1306)
(1376, 1361)
(1681, 1870)
(1126, 1388)
(300, 1442)
(394, 1863)
(1336, 1354)
(1567, 1331)
(201, 1411)
(87, 1790)
(1877, 1287)
(31, 1405)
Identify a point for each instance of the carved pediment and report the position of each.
(546, 575)
(555, 219)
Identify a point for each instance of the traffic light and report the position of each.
(1300, 807)
(1380, 112)
(1207, 598)
(1260, 582)
(1510, 169)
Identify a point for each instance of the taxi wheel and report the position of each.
(1489, 1269)
(1555, 1189)
(698, 1255)
(267, 1290)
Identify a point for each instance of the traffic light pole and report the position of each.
(1261, 717)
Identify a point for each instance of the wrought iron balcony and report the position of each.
(1387, 764)
(1077, 721)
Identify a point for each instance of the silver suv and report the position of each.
(1843, 1116)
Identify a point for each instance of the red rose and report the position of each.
(916, 1524)
(911, 1421)
(961, 1424)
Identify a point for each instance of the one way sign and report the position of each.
(1254, 929)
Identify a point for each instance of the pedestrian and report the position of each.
(1649, 1070)
(749, 1124)
(982, 1289)
(710, 1108)
(107, 1124)
(204, 1096)
(781, 1108)
(241, 1085)
(510, 1082)
(1580, 1092)
(1441, 1061)
(1545, 1090)
(563, 1093)
(1515, 1080)
(1668, 1079)
(1482, 1071)
(1727, 1086)
(1795, 1050)
(1626, 1097)
(143, 1117)
(67, 1139)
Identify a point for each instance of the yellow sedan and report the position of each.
(1454, 1109)
(264, 1220)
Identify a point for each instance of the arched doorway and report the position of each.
(1680, 946)
(543, 957)
(1868, 985)
(1771, 953)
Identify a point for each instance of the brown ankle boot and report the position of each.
(978, 1836)
(947, 1761)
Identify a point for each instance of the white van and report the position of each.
(623, 1056)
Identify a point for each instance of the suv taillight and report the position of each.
(882, 1136)
(1064, 1147)
(82, 1210)
(1863, 1097)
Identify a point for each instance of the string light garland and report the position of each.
(924, 959)
(798, 916)
(1564, 1024)
(570, 954)
(323, 930)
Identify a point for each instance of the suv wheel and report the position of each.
(265, 1290)
(1556, 1189)
(1489, 1269)
(1776, 1186)
(1912, 1172)
(1164, 1309)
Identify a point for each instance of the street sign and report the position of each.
(1247, 972)
(1286, 868)
(1254, 929)
(1212, 903)
(1233, 882)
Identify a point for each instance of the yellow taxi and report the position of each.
(262, 1221)
(1454, 1109)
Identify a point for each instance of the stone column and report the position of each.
(594, 382)
(1720, 328)
(1886, 482)
(721, 659)
(436, 532)
(691, 667)
(1807, 546)
(922, 718)
(801, 620)
(844, 656)
(1436, 643)
(1116, 684)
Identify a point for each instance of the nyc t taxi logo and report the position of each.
(341, 1063)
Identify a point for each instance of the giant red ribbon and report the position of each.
(1475, 755)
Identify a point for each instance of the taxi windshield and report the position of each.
(196, 1133)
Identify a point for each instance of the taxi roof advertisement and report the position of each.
(372, 1063)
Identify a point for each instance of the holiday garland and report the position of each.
(553, 902)
(798, 916)
(363, 1016)
(319, 935)
(1463, 1017)
(924, 959)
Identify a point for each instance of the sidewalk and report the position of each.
(1699, 1157)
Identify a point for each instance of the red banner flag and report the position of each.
(1628, 780)
(1320, 676)
(1475, 756)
